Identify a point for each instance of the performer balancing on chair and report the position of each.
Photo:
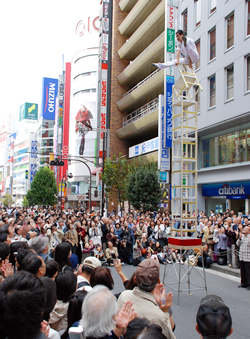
(187, 48)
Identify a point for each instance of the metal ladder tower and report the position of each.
(184, 150)
(184, 181)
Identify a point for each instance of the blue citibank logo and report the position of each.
(239, 189)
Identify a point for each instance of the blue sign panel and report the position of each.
(168, 129)
(49, 94)
(230, 190)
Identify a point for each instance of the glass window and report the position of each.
(47, 133)
(230, 30)
(197, 6)
(248, 18)
(230, 82)
(198, 46)
(46, 142)
(212, 91)
(213, 4)
(212, 48)
(228, 148)
(184, 20)
(248, 73)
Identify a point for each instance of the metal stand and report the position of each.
(183, 277)
(184, 177)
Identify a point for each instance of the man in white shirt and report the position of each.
(184, 46)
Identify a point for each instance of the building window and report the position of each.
(197, 6)
(213, 4)
(248, 17)
(230, 30)
(184, 21)
(224, 149)
(248, 73)
(212, 91)
(230, 82)
(197, 97)
(212, 41)
(198, 46)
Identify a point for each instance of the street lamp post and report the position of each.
(83, 162)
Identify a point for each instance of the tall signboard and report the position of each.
(104, 69)
(163, 152)
(65, 144)
(28, 111)
(169, 72)
(49, 94)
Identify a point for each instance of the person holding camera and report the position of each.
(111, 253)
(137, 253)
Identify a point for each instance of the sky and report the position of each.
(34, 36)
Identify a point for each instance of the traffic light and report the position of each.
(95, 193)
(56, 162)
(26, 174)
(87, 195)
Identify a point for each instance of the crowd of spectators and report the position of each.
(53, 265)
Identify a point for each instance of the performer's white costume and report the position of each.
(189, 51)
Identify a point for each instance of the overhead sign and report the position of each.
(28, 111)
(49, 94)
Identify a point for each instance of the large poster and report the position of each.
(82, 121)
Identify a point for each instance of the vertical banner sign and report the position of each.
(49, 94)
(65, 146)
(168, 115)
(104, 51)
(163, 152)
(169, 72)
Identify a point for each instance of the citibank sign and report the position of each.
(83, 26)
(228, 190)
(241, 188)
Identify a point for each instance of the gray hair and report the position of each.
(98, 310)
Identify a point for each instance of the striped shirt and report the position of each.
(244, 244)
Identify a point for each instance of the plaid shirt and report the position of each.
(244, 244)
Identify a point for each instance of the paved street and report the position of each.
(218, 283)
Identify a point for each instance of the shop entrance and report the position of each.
(218, 205)
(238, 205)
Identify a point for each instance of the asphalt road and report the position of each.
(184, 315)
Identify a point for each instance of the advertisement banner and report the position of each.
(169, 72)
(103, 71)
(168, 117)
(28, 111)
(49, 94)
(163, 152)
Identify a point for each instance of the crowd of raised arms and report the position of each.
(55, 283)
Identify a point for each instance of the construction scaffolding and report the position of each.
(184, 178)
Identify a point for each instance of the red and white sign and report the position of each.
(63, 169)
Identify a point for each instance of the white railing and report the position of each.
(141, 82)
(141, 112)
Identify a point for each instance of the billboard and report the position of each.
(49, 94)
(28, 111)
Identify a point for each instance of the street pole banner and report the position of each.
(163, 152)
(169, 72)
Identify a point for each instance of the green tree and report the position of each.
(114, 176)
(43, 188)
(143, 188)
(7, 200)
(25, 202)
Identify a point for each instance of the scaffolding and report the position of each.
(184, 177)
